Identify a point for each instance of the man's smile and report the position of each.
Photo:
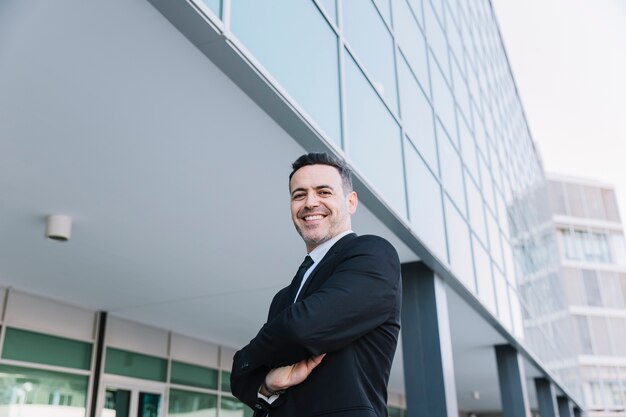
(312, 217)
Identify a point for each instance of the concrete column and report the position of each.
(512, 382)
(566, 408)
(546, 397)
(426, 344)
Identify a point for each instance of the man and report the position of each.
(327, 347)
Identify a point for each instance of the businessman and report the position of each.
(330, 337)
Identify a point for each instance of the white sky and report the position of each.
(569, 62)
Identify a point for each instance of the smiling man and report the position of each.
(327, 346)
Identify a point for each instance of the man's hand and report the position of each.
(279, 379)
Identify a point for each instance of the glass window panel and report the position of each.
(442, 98)
(425, 203)
(479, 132)
(610, 289)
(384, 7)
(232, 407)
(574, 199)
(23, 345)
(584, 336)
(225, 376)
(396, 412)
(494, 239)
(193, 375)
(592, 290)
(187, 403)
(460, 89)
(372, 43)
(412, 41)
(516, 313)
(592, 196)
(417, 115)
(451, 170)
(502, 296)
(295, 44)
(487, 183)
(459, 245)
(330, 7)
(215, 6)
(34, 392)
(610, 205)
(476, 210)
(617, 330)
(618, 249)
(456, 45)
(483, 276)
(557, 197)
(436, 38)
(374, 139)
(136, 365)
(600, 336)
(468, 149)
(573, 285)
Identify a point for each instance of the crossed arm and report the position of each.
(354, 300)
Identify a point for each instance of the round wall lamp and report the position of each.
(59, 227)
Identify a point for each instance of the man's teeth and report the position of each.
(317, 217)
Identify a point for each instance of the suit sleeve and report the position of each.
(359, 296)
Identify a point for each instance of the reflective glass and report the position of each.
(425, 203)
(23, 345)
(33, 392)
(460, 89)
(417, 115)
(494, 239)
(436, 38)
(225, 385)
(516, 313)
(483, 276)
(330, 7)
(476, 210)
(468, 148)
(215, 6)
(459, 246)
(373, 138)
(487, 183)
(384, 8)
(232, 407)
(372, 43)
(411, 41)
(502, 296)
(297, 46)
(136, 365)
(442, 98)
(193, 375)
(187, 403)
(451, 170)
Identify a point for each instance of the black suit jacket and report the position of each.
(349, 309)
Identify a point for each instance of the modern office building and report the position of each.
(591, 269)
(165, 130)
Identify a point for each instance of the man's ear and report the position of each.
(353, 202)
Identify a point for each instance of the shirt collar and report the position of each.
(319, 252)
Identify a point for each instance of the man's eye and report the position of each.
(299, 196)
(324, 192)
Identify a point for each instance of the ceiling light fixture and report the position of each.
(59, 227)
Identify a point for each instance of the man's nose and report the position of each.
(311, 200)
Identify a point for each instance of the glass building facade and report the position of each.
(588, 316)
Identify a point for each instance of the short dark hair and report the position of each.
(322, 158)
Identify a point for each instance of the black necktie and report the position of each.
(297, 280)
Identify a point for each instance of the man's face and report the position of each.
(319, 208)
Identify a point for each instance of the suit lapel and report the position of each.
(318, 272)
